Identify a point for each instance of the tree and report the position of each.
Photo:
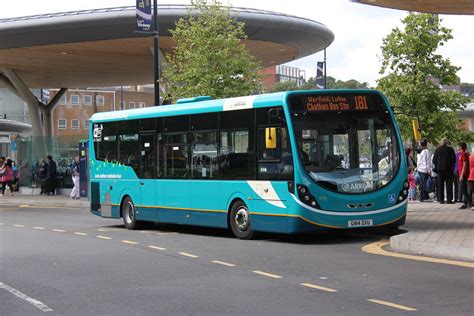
(209, 57)
(414, 76)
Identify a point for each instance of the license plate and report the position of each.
(360, 223)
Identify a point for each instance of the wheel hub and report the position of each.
(242, 219)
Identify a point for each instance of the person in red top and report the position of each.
(470, 179)
(7, 177)
(463, 175)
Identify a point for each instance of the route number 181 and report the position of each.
(361, 102)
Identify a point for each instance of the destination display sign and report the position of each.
(336, 102)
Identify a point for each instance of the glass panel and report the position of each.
(346, 142)
(128, 143)
(105, 141)
(147, 156)
(204, 155)
(176, 161)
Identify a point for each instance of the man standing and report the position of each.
(75, 193)
(463, 175)
(52, 174)
(443, 160)
(424, 168)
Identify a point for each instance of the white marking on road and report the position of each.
(156, 248)
(40, 305)
(107, 229)
(270, 275)
(166, 233)
(103, 237)
(130, 242)
(190, 255)
(405, 308)
(224, 263)
(318, 287)
(38, 227)
(80, 234)
(2, 224)
(16, 225)
(58, 230)
(24, 205)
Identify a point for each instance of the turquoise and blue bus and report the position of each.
(286, 162)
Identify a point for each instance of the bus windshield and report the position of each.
(347, 141)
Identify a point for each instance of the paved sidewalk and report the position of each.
(434, 230)
(437, 230)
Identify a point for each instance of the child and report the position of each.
(412, 185)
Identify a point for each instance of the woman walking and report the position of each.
(7, 178)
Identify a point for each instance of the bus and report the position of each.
(288, 162)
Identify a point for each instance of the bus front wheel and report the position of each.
(240, 221)
(129, 214)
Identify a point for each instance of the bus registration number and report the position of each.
(360, 223)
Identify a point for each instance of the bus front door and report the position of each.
(149, 187)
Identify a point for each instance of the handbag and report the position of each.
(429, 185)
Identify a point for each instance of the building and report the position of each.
(280, 73)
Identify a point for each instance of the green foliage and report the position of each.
(414, 74)
(310, 84)
(209, 58)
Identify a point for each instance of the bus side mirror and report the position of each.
(270, 138)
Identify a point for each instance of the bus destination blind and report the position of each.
(336, 103)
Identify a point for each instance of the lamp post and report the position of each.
(156, 57)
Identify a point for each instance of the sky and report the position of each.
(358, 29)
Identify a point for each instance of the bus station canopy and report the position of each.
(101, 48)
(461, 7)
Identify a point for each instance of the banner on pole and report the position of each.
(143, 14)
(320, 75)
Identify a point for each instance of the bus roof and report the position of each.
(206, 106)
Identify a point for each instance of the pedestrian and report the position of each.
(75, 193)
(43, 177)
(456, 179)
(444, 160)
(423, 164)
(52, 175)
(463, 175)
(411, 185)
(3, 170)
(411, 163)
(7, 177)
(470, 180)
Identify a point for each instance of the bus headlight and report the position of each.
(305, 196)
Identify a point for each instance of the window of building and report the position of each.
(62, 100)
(100, 100)
(131, 105)
(75, 99)
(74, 124)
(86, 124)
(87, 99)
(141, 104)
(62, 124)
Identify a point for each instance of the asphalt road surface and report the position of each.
(69, 262)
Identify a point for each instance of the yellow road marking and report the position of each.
(190, 255)
(24, 205)
(156, 248)
(58, 230)
(224, 263)
(130, 242)
(405, 308)
(376, 249)
(40, 228)
(16, 225)
(270, 275)
(80, 234)
(103, 237)
(318, 287)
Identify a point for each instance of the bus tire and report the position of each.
(129, 214)
(240, 222)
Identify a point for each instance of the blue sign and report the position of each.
(392, 198)
(143, 14)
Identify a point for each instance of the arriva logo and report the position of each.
(97, 133)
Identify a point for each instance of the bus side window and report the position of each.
(237, 145)
(106, 146)
(204, 146)
(176, 148)
(128, 144)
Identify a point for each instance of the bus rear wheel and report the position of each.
(129, 214)
(240, 222)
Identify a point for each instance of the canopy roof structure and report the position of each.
(101, 48)
(460, 7)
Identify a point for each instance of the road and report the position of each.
(67, 261)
